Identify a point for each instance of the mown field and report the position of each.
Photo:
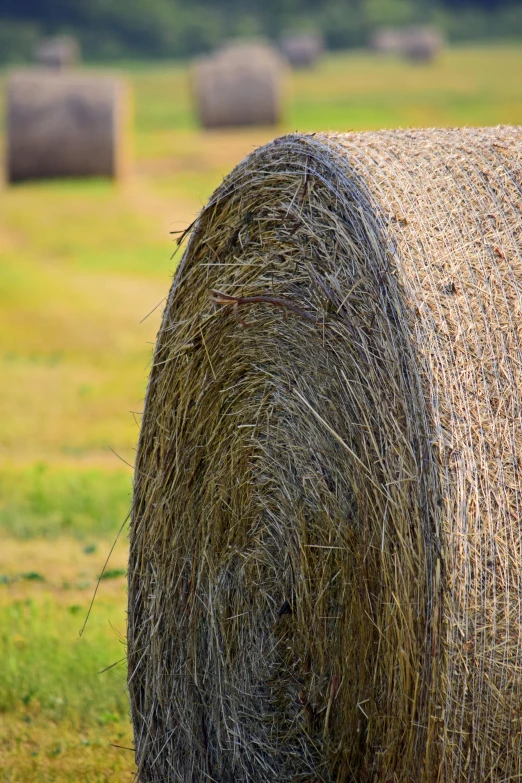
(82, 263)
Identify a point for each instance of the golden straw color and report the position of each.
(325, 568)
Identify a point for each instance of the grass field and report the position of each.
(81, 265)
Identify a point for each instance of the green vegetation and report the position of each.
(50, 501)
(82, 264)
(68, 685)
(63, 703)
(180, 28)
(466, 86)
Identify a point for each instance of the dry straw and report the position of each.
(325, 576)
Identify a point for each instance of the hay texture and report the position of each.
(57, 53)
(65, 125)
(240, 85)
(302, 50)
(325, 576)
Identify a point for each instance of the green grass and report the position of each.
(61, 715)
(87, 224)
(466, 86)
(49, 501)
(44, 661)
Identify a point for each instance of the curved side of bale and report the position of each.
(57, 53)
(66, 125)
(325, 574)
(242, 85)
(302, 50)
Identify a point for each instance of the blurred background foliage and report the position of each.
(116, 29)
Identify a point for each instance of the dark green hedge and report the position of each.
(115, 29)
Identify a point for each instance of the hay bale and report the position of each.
(325, 575)
(240, 85)
(302, 50)
(417, 43)
(421, 44)
(65, 125)
(57, 53)
(386, 41)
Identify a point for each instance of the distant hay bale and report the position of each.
(418, 43)
(65, 125)
(386, 40)
(57, 53)
(302, 50)
(325, 578)
(421, 44)
(242, 84)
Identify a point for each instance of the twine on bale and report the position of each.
(325, 567)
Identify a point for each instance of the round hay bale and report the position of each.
(302, 50)
(240, 85)
(325, 577)
(421, 44)
(386, 40)
(66, 125)
(57, 53)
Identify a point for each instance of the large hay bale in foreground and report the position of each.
(325, 577)
(302, 50)
(57, 53)
(240, 85)
(65, 125)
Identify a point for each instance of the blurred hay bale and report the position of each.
(302, 50)
(65, 125)
(386, 40)
(421, 44)
(325, 578)
(417, 43)
(242, 84)
(57, 53)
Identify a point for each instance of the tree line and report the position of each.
(116, 29)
